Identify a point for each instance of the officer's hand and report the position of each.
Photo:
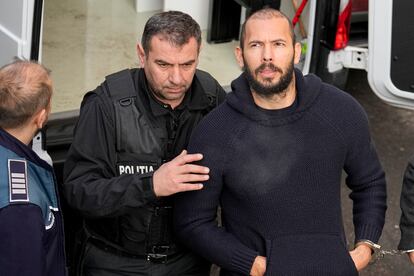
(411, 256)
(361, 256)
(180, 176)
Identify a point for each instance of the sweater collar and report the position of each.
(241, 99)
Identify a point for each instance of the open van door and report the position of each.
(391, 46)
(20, 37)
(20, 30)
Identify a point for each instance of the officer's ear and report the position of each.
(141, 54)
(40, 118)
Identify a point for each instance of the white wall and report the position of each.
(198, 9)
(148, 5)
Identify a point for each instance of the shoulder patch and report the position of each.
(50, 218)
(18, 190)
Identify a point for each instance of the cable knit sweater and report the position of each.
(276, 175)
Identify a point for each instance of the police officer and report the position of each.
(128, 154)
(31, 231)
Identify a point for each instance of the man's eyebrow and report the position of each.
(165, 62)
(274, 40)
(255, 41)
(161, 61)
(279, 40)
(188, 62)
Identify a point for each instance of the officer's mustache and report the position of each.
(270, 66)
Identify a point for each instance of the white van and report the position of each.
(336, 35)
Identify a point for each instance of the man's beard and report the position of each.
(270, 89)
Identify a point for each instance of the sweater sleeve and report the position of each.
(407, 209)
(365, 177)
(195, 212)
(92, 185)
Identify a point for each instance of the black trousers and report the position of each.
(98, 262)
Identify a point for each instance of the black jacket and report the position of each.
(101, 179)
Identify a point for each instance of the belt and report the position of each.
(158, 255)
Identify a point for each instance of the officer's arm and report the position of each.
(91, 184)
(22, 242)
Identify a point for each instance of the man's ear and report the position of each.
(298, 52)
(200, 48)
(141, 54)
(40, 118)
(238, 52)
(198, 54)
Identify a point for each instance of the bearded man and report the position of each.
(276, 150)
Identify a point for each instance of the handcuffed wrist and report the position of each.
(373, 246)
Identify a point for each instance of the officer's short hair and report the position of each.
(25, 88)
(175, 26)
(266, 13)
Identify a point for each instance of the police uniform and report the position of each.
(123, 135)
(31, 231)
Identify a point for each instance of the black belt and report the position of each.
(158, 255)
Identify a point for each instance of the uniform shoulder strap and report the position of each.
(120, 85)
(129, 109)
(120, 88)
(209, 85)
(122, 91)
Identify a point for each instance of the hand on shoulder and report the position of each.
(180, 175)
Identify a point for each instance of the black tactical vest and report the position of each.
(143, 143)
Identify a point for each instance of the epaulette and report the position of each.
(18, 190)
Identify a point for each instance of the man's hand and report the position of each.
(258, 267)
(411, 256)
(361, 256)
(179, 175)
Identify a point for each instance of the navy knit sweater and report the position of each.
(276, 175)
